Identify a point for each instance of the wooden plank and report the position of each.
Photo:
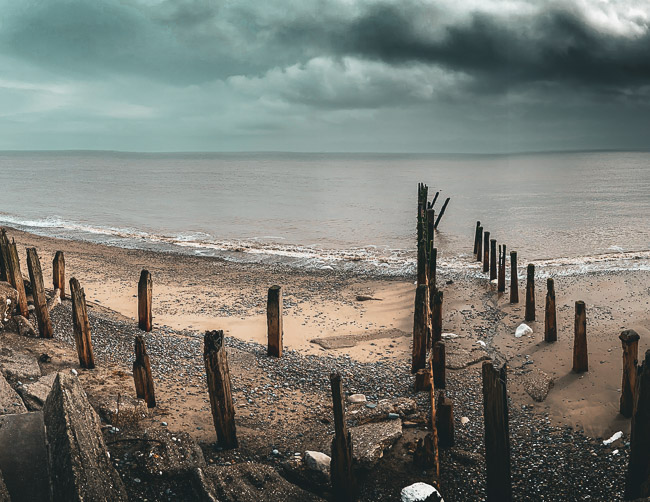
(81, 325)
(38, 294)
(218, 377)
(142, 377)
(274, 321)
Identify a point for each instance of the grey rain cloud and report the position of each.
(324, 75)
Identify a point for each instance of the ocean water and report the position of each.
(574, 212)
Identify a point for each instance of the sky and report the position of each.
(467, 76)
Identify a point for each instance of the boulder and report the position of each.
(80, 465)
(10, 402)
(537, 384)
(19, 324)
(370, 440)
(523, 330)
(317, 461)
(247, 482)
(8, 302)
(19, 366)
(35, 394)
(420, 492)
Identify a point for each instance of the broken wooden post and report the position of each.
(477, 236)
(145, 287)
(422, 380)
(637, 483)
(435, 198)
(497, 439)
(342, 477)
(550, 322)
(442, 211)
(514, 285)
(436, 317)
(493, 259)
(486, 251)
(274, 321)
(580, 360)
(142, 374)
(422, 262)
(38, 294)
(81, 326)
(433, 259)
(501, 283)
(3, 263)
(479, 248)
(530, 293)
(218, 377)
(419, 358)
(58, 273)
(445, 422)
(14, 275)
(630, 340)
(431, 216)
(438, 362)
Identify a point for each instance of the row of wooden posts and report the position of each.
(635, 387)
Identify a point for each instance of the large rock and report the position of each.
(10, 402)
(8, 302)
(250, 482)
(538, 384)
(19, 366)
(370, 440)
(19, 324)
(80, 466)
(317, 461)
(35, 394)
(420, 492)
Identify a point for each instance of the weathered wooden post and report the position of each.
(630, 340)
(342, 477)
(422, 262)
(38, 293)
(419, 359)
(81, 326)
(218, 377)
(501, 283)
(274, 321)
(486, 251)
(14, 275)
(550, 322)
(442, 211)
(445, 422)
(145, 287)
(433, 436)
(435, 198)
(637, 483)
(436, 317)
(476, 236)
(497, 439)
(433, 263)
(514, 285)
(422, 380)
(4, 262)
(431, 216)
(58, 273)
(530, 293)
(479, 248)
(142, 374)
(438, 361)
(580, 359)
(493, 259)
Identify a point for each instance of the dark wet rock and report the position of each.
(10, 402)
(80, 465)
(249, 482)
(370, 440)
(35, 394)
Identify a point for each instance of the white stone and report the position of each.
(618, 435)
(464, 421)
(449, 336)
(418, 492)
(317, 461)
(357, 398)
(523, 329)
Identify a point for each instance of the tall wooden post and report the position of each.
(479, 248)
(445, 422)
(274, 321)
(435, 198)
(637, 483)
(630, 340)
(81, 326)
(431, 216)
(550, 322)
(436, 317)
(38, 293)
(433, 263)
(580, 359)
(497, 439)
(493, 259)
(530, 293)
(218, 377)
(342, 477)
(486, 251)
(442, 211)
(514, 285)
(477, 236)
(14, 275)
(439, 362)
(422, 262)
(419, 359)
(58, 273)
(4, 261)
(142, 374)
(432, 438)
(145, 287)
(501, 283)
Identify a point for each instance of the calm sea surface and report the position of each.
(579, 211)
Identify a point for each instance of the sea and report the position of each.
(568, 212)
